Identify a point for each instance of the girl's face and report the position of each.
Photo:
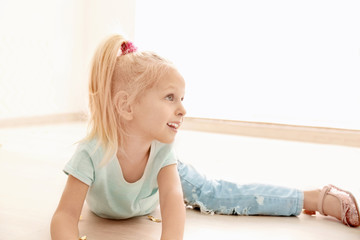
(159, 112)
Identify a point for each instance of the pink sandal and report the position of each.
(349, 209)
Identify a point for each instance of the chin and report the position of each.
(166, 140)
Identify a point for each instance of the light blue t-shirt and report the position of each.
(110, 195)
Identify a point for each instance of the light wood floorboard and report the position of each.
(32, 158)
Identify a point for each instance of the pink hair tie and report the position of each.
(127, 47)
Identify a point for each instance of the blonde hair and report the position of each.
(134, 73)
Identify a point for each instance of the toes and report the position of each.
(309, 212)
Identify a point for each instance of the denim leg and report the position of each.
(223, 197)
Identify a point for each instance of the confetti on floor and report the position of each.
(154, 219)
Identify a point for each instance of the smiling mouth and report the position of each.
(174, 126)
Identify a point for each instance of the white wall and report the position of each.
(104, 17)
(45, 50)
(41, 57)
(292, 62)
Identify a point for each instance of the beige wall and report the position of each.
(45, 50)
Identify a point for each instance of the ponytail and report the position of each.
(103, 120)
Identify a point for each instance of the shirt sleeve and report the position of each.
(81, 166)
(171, 157)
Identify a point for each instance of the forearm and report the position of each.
(173, 216)
(64, 226)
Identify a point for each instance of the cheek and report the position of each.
(154, 114)
(158, 117)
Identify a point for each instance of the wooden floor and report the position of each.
(32, 158)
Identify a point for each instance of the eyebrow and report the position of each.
(171, 87)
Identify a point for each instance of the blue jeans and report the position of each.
(223, 197)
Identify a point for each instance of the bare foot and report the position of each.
(331, 205)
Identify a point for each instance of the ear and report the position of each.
(123, 106)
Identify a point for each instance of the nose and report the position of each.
(181, 111)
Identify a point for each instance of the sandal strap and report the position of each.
(322, 195)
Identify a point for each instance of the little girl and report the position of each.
(126, 164)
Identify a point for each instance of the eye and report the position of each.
(170, 97)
